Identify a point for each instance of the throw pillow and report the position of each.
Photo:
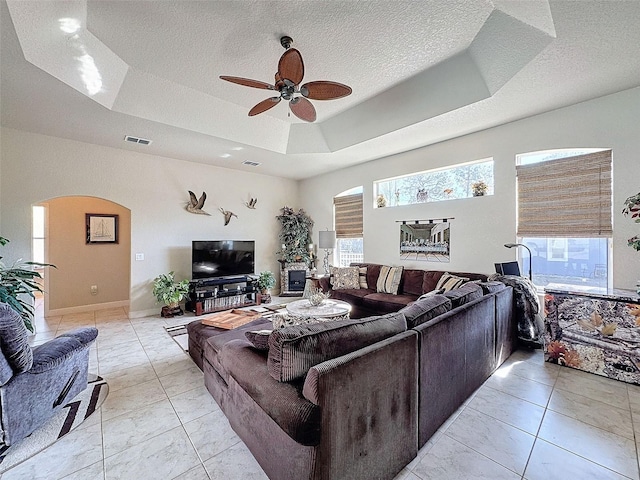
(389, 279)
(294, 350)
(363, 277)
(14, 340)
(259, 339)
(437, 291)
(345, 278)
(448, 281)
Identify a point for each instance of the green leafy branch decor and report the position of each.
(18, 281)
(632, 207)
(295, 235)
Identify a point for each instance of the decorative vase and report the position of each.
(316, 299)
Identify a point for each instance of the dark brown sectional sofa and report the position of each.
(366, 301)
(356, 399)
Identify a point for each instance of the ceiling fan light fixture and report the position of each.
(289, 75)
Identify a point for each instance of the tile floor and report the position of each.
(530, 420)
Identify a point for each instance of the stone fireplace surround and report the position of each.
(284, 279)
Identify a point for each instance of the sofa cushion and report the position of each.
(259, 338)
(437, 291)
(363, 277)
(14, 340)
(373, 272)
(389, 279)
(412, 282)
(449, 281)
(464, 294)
(282, 402)
(345, 278)
(492, 287)
(386, 303)
(294, 350)
(423, 310)
(353, 297)
(430, 280)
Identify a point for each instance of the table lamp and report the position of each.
(327, 240)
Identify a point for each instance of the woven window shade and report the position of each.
(568, 197)
(348, 215)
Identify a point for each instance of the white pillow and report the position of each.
(389, 279)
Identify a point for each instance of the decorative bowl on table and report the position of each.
(316, 299)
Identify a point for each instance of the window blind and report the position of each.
(348, 216)
(568, 197)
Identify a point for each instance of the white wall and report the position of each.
(483, 224)
(37, 168)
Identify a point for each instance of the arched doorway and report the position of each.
(88, 275)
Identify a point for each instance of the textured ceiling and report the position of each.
(421, 72)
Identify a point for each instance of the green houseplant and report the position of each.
(18, 283)
(170, 292)
(266, 280)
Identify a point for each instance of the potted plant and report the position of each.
(18, 283)
(266, 280)
(632, 207)
(479, 188)
(170, 292)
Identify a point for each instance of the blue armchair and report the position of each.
(36, 383)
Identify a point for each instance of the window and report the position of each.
(435, 185)
(564, 216)
(37, 235)
(348, 225)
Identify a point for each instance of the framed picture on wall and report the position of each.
(101, 228)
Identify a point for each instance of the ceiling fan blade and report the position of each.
(291, 66)
(247, 82)
(303, 109)
(264, 105)
(323, 90)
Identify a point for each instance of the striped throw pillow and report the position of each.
(389, 279)
(449, 282)
(363, 277)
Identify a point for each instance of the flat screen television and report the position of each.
(222, 258)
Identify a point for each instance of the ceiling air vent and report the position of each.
(251, 164)
(141, 141)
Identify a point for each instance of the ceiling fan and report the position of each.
(288, 77)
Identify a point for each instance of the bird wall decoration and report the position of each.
(227, 215)
(251, 203)
(195, 205)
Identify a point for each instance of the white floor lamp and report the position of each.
(327, 240)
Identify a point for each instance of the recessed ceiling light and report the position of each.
(225, 155)
(237, 149)
(141, 141)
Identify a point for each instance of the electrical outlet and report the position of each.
(94, 289)
(139, 256)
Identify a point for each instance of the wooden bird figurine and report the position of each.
(227, 215)
(251, 203)
(195, 205)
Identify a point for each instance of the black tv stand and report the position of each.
(209, 295)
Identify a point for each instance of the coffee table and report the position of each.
(301, 311)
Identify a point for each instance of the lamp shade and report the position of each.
(327, 239)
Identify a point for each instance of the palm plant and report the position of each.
(18, 283)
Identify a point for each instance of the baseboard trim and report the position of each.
(86, 308)
(155, 312)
